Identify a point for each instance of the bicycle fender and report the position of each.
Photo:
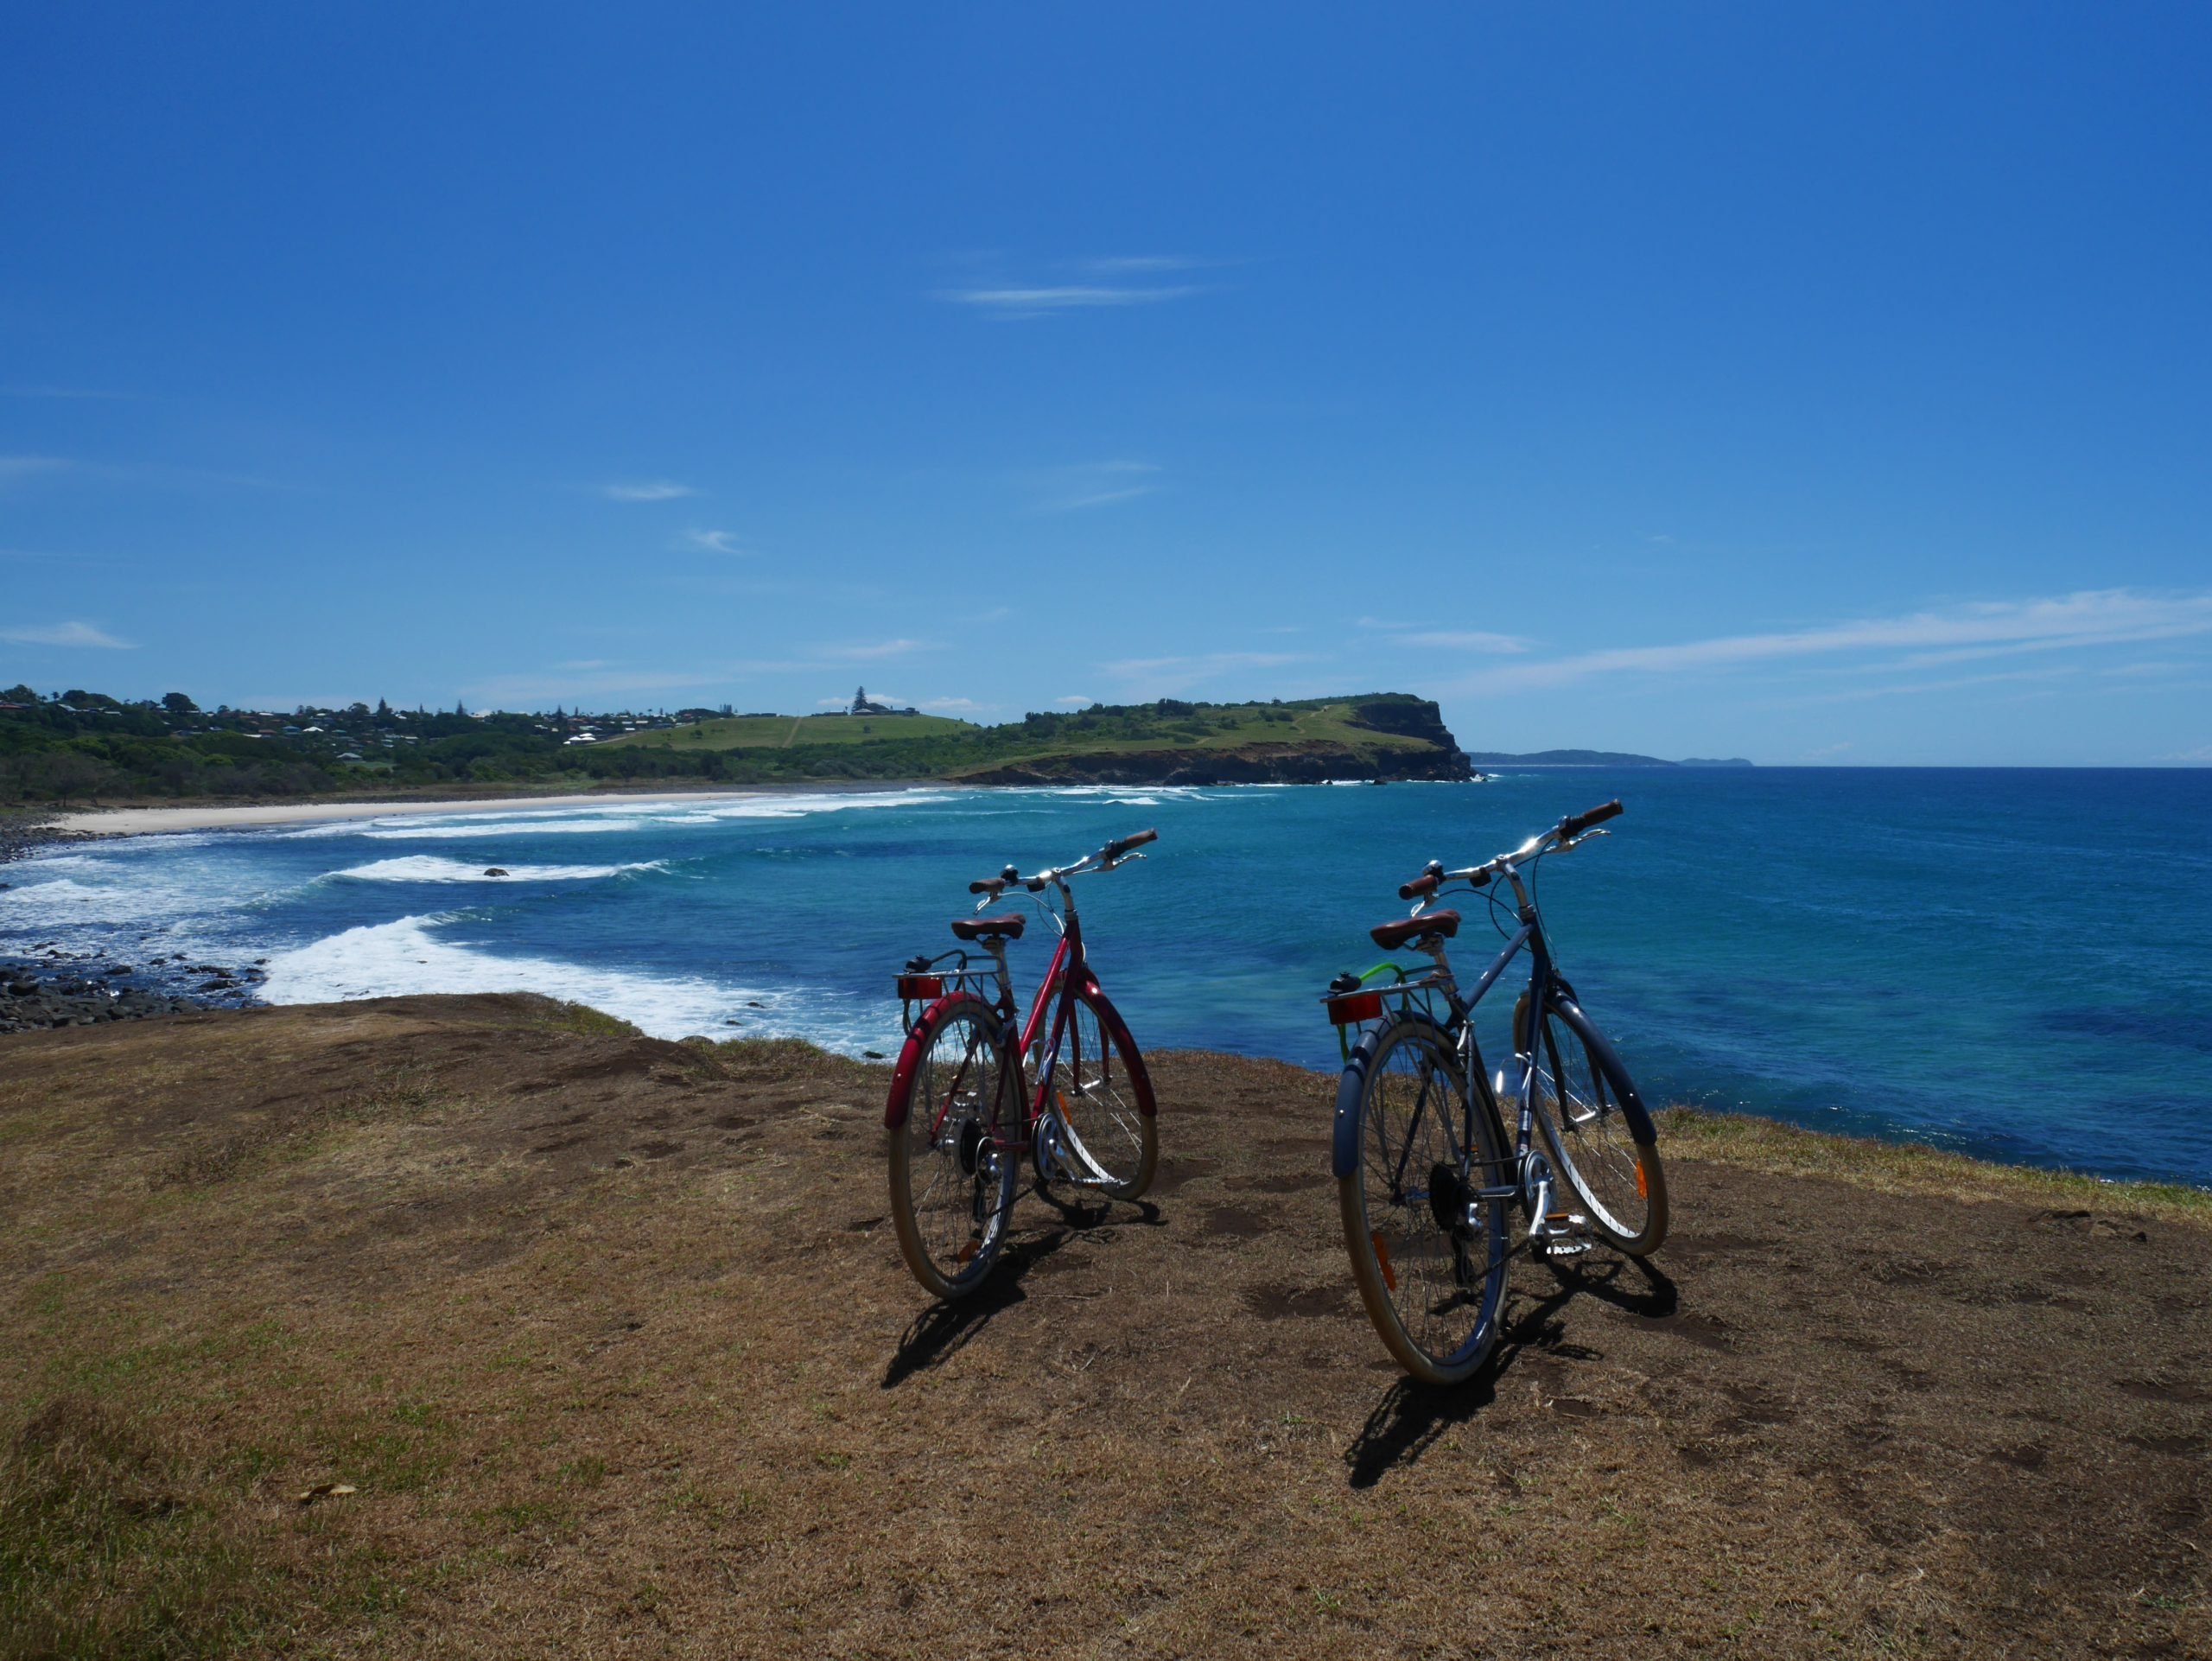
(1641, 1130)
(1344, 1145)
(909, 1057)
(1118, 1031)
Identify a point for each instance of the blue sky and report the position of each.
(1814, 383)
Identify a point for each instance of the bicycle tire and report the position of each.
(1600, 1138)
(951, 1192)
(1101, 1096)
(1432, 1283)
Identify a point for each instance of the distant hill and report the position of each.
(1588, 759)
(1368, 735)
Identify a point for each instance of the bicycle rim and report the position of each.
(1617, 1181)
(950, 1191)
(1101, 1096)
(1430, 1270)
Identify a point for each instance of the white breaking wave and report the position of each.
(404, 958)
(67, 903)
(480, 828)
(429, 868)
(380, 960)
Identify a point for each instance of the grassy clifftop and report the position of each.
(1385, 734)
(485, 1325)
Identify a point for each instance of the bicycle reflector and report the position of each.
(921, 986)
(1355, 1008)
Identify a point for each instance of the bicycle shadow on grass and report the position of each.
(943, 1330)
(1411, 1417)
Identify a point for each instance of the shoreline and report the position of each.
(156, 821)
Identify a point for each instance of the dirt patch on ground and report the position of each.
(610, 1339)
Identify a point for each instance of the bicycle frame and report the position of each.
(1544, 979)
(1068, 974)
(1069, 971)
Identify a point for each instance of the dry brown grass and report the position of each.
(1759, 1145)
(611, 1338)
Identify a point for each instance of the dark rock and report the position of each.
(494, 870)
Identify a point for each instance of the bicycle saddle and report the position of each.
(1391, 936)
(974, 928)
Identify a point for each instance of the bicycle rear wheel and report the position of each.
(1597, 1131)
(951, 1191)
(1106, 1140)
(1429, 1255)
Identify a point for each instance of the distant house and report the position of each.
(864, 705)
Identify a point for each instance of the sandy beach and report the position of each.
(148, 821)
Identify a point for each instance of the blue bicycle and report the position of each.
(1426, 1177)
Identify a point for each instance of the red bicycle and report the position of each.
(960, 1117)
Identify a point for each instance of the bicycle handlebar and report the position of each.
(1434, 876)
(1575, 823)
(1105, 859)
(1120, 846)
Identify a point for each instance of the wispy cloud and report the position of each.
(955, 706)
(18, 469)
(2201, 754)
(712, 542)
(2092, 617)
(73, 394)
(1046, 302)
(1165, 677)
(645, 490)
(1469, 639)
(67, 634)
(1094, 483)
(1141, 265)
(870, 650)
(1075, 700)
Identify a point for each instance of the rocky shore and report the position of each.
(49, 984)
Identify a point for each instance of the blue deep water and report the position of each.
(2014, 964)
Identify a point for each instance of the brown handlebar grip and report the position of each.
(1121, 845)
(988, 885)
(1419, 888)
(1575, 823)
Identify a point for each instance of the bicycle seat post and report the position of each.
(995, 946)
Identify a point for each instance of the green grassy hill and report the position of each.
(1378, 735)
(792, 732)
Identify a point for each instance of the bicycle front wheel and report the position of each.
(1428, 1252)
(951, 1190)
(1101, 1098)
(1597, 1131)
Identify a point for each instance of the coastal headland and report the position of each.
(484, 1326)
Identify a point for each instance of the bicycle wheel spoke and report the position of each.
(950, 1193)
(1429, 1253)
(1104, 1141)
(1592, 1141)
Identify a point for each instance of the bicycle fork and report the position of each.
(1553, 1230)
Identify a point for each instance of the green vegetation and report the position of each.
(85, 748)
(1382, 735)
(788, 732)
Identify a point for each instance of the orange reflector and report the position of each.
(921, 986)
(1356, 1007)
(1641, 1191)
(1382, 1259)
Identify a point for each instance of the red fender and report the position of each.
(910, 1054)
(1118, 1030)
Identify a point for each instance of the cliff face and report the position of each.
(1310, 762)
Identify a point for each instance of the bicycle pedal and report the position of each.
(1555, 1248)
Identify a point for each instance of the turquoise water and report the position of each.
(2015, 963)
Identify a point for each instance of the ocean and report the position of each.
(2017, 964)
